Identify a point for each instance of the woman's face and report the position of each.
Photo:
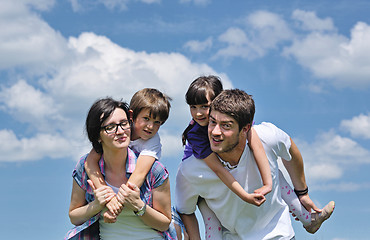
(116, 132)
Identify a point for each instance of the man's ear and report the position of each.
(246, 128)
(131, 114)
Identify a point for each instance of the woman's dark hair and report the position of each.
(198, 91)
(98, 113)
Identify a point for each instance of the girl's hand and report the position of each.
(263, 190)
(255, 199)
(103, 194)
(129, 195)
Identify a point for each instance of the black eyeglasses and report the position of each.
(112, 128)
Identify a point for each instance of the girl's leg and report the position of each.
(293, 202)
(211, 222)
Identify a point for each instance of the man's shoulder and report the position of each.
(193, 168)
(269, 132)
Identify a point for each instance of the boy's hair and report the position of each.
(237, 104)
(152, 99)
(98, 113)
(202, 87)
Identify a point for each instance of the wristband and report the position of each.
(141, 211)
(301, 192)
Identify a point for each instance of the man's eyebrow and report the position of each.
(223, 122)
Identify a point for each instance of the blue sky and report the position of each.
(305, 63)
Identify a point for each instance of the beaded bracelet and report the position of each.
(301, 192)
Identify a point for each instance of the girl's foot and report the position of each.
(318, 218)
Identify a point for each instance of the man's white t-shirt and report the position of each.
(151, 147)
(242, 220)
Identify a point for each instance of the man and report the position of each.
(231, 116)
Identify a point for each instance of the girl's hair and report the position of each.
(201, 90)
(152, 99)
(203, 87)
(98, 113)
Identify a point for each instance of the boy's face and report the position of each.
(145, 126)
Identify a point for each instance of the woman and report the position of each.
(147, 211)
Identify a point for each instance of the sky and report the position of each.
(306, 63)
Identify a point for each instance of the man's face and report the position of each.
(223, 132)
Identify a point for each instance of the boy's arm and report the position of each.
(95, 175)
(214, 163)
(263, 165)
(191, 225)
(143, 166)
(93, 170)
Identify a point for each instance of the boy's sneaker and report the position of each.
(318, 218)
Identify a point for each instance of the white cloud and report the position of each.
(309, 21)
(53, 101)
(35, 148)
(338, 60)
(197, 2)
(199, 46)
(358, 126)
(120, 5)
(26, 40)
(263, 32)
(330, 156)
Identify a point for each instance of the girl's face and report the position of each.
(116, 132)
(200, 113)
(145, 126)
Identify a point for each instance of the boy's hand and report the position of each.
(109, 217)
(114, 206)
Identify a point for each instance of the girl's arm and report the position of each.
(255, 145)
(81, 211)
(143, 166)
(214, 163)
(158, 216)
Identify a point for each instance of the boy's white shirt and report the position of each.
(151, 147)
(242, 220)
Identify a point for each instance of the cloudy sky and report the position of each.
(306, 64)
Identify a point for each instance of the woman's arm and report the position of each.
(214, 163)
(259, 153)
(81, 211)
(158, 216)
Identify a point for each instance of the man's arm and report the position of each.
(295, 168)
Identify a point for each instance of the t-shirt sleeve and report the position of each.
(151, 147)
(186, 198)
(274, 139)
(199, 143)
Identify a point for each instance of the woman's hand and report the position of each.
(103, 194)
(129, 195)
